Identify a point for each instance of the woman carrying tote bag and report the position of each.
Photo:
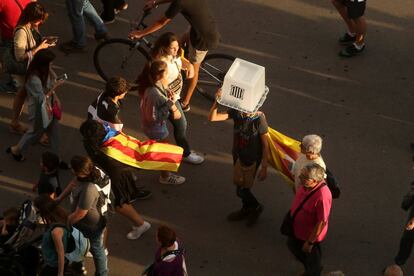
(40, 85)
(27, 41)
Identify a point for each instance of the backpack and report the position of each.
(332, 184)
(103, 185)
(76, 246)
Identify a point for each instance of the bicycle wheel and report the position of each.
(119, 57)
(211, 74)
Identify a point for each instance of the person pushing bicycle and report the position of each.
(203, 34)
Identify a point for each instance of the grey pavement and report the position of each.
(363, 108)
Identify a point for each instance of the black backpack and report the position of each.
(332, 184)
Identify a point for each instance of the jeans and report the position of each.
(406, 245)
(35, 132)
(109, 7)
(311, 261)
(98, 253)
(180, 131)
(76, 10)
(249, 201)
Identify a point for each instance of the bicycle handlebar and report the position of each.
(141, 20)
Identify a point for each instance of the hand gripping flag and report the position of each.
(283, 153)
(147, 155)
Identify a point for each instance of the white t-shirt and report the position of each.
(302, 162)
(174, 75)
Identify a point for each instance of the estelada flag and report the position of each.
(283, 153)
(147, 155)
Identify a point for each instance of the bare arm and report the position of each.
(57, 235)
(307, 246)
(265, 153)
(137, 34)
(188, 67)
(215, 116)
(77, 216)
(66, 191)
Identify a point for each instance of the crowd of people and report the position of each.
(101, 182)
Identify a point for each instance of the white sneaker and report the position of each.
(194, 158)
(137, 231)
(172, 179)
(89, 254)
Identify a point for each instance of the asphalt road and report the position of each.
(362, 107)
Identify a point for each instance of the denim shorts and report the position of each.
(157, 132)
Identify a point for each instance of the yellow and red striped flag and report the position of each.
(147, 155)
(283, 153)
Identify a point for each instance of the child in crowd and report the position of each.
(49, 178)
(157, 104)
(250, 150)
(8, 224)
(169, 259)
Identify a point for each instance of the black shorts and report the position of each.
(355, 8)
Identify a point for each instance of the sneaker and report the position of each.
(137, 231)
(77, 268)
(70, 47)
(238, 215)
(89, 254)
(254, 215)
(18, 157)
(102, 36)
(106, 22)
(172, 179)
(194, 158)
(351, 51)
(347, 39)
(143, 194)
(123, 7)
(184, 107)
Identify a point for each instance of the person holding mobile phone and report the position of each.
(40, 85)
(27, 41)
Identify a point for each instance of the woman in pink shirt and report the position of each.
(310, 224)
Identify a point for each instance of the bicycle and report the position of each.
(126, 58)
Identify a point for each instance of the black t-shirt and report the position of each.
(203, 35)
(48, 183)
(107, 110)
(247, 143)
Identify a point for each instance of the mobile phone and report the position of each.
(62, 77)
(52, 39)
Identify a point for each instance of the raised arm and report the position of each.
(215, 116)
(159, 24)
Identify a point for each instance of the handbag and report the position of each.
(286, 228)
(47, 113)
(56, 108)
(332, 184)
(11, 65)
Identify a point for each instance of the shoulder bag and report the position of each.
(286, 228)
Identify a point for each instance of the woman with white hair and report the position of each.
(310, 154)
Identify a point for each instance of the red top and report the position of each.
(316, 209)
(9, 15)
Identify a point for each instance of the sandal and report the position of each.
(17, 129)
(18, 157)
